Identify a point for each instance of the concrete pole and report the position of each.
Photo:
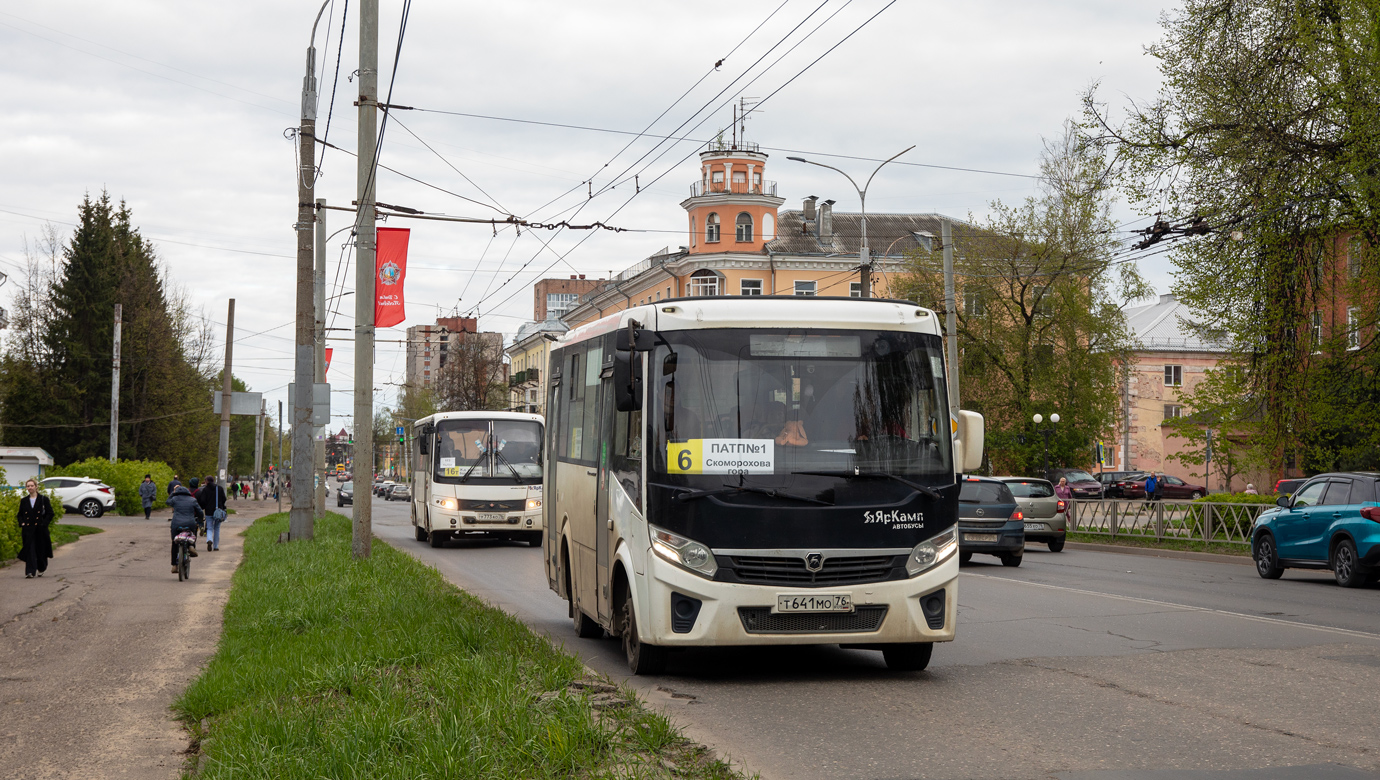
(227, 395)
(864, 253)
(259, 453)
(115, 390)
(319, 433)
(1126, 417)
(950, 311)
(300, 521)
(365, 243)
(278, 472)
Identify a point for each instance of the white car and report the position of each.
(91, 497)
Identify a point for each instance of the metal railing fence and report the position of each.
(1190, 521)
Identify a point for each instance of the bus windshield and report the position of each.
(488, 450)
(781, 402)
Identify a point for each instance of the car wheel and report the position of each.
(1195, 495)
(1267, 558)
(964, 557)
(642, 657)
(1345, 565)
(91, 508)
(1011, 559)
(912, 657)
(1056, 545)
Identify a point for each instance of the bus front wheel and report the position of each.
(912, 657)
(642, 657)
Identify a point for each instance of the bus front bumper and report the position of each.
(464, 521)
(919, 609)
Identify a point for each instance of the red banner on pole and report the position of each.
(327, 370)
(390, 269)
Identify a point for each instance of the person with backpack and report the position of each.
(211, 497)
(187, 516)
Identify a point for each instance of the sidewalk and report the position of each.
(93, 654)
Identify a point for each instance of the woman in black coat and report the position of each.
(35, 514)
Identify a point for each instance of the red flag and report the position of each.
(329, 350)
(390, 269)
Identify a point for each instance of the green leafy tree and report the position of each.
(1223, 408)
(1038, 321)
(1265, 126)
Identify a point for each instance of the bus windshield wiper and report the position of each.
(471, 469)
(872, 475)
(690, 494)
(500, 456)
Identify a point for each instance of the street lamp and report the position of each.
(1049, 431)
(864, 255)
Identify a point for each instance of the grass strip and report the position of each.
(379, 669)
(1150, 542)
(62, 533)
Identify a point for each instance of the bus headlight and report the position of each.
(446, 503)
(931, 552)
(684, 552)
(533, 503)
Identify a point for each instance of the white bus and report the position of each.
(735, 471)
(477, 474)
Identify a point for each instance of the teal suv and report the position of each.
(1332, 521)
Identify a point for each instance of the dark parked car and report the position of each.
(1170, 487)
(1110, 480)
(1083, 484)
(1332, 522)
(1286, 487)
(345, 494)
(989, 521)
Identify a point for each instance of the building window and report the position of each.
(1353, 335)
(1173, 410)
(750, 287)
(557, 304)
(711, 227)
(704, 282)
(1355, 255)
(973, 306)
(694, 232)
(1316, 330)
(717, 177)
(1173, 376)
(768, 227)
(739, 177)
(805, 288)
(1041, 304)
(743, 224)
(855, 289)
(658, 295)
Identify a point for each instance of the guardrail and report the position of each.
(1189, 521)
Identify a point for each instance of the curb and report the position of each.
(1184, 555)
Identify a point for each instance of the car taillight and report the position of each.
(1063, 505)
(104, 490)
(1018, 515)
(1371, 513)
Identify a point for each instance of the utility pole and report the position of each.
(1126, 418)
(278, 475)
(366, 245)
(319, 433)
(227, 395)
(115, 390)
(259, 452)
(946, 231)
(300, 520)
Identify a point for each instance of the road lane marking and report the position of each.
(1187, 607)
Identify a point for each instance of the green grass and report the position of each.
(63, 534)
(1150, 542)
(334, 668)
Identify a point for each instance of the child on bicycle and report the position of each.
(187, 516)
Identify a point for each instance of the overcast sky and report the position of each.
(180, 110)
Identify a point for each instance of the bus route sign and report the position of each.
(721, 456)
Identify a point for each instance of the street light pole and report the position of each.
(1053, 418)
(864, 253)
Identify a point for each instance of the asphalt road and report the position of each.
(1086, 665)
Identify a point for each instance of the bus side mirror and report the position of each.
(627, 381)
(968, 448)
(635, 339)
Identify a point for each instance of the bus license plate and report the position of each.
(979, 537)
(489, 517)
(813, 602)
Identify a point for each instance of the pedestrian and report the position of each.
(1159, 486)
(1151, 486)
(193, 486)
(172, 483)
(147, 493)
(186, 516)
(1062, 490)
(1250, 490)
(35, 515)
(212, 501)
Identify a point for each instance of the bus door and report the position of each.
(603, 521)
(554, 450)
(577, 470)
(421, 472)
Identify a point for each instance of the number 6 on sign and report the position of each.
(684, 457)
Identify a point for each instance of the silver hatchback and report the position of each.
(1046, 515)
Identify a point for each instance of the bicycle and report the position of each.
(185, 541)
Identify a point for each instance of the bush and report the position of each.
(1237, 498)
(9, 521)
(124, 476)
